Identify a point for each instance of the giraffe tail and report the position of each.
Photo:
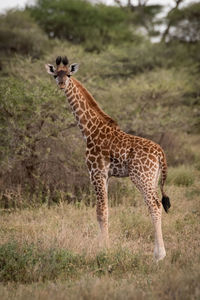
(165, 199)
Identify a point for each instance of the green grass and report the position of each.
(182, 176)
(54, 253)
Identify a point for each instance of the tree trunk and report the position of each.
(165, 33)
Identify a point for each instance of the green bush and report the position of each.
(20, 34)
(39, 150)
(28, 264)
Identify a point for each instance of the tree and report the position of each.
(80, 21)
(141, 14)
(183, 23)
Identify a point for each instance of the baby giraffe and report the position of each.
(112, 152)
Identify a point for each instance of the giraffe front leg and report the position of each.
(100, 184)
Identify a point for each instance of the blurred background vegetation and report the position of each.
(151, 89)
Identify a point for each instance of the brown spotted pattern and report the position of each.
(112, 152)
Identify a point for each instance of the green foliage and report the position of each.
(28, 264)
(20, 34)
(80, 21)
(34, 124)
(145, 16)
(15, 265)
(121, 261)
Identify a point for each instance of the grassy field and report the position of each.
(53, 253)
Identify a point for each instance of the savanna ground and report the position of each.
(53, 253)
(48, 229)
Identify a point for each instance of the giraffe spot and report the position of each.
(95, 133)
(146, 149)
(93, 128)
(88, 164)
(94, 165)
(136, 161)
(69, 94)
(105, 152)
(100, 163)
(148, 162)
(143, 159)
(89, 124)
(79, 112)
(92, 159)
(92, 113)
(102, 136)
(152, 157)
(90, 144)
(145, 168)
(75, 106)
(86, 132)
(87, 115)
(151, 165)
(83, 119)
(82, 105)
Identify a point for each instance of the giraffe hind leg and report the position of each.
(155, 208)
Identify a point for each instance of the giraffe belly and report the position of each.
(118, 170)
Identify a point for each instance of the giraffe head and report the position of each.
(62, 71)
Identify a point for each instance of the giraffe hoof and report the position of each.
(159, 254)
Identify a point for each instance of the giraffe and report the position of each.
(112, 152)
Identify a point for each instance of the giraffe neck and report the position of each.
(89, 116)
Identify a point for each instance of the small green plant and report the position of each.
(28, 264)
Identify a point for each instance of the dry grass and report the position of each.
(66, 235)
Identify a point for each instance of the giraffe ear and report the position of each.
(73, 68)
(50, 69)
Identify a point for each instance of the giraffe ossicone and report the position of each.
(112, 152)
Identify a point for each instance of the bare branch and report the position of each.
(118, 2)
(166, 32)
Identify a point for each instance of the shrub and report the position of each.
(20, 34)
(28, 264)
(38, 145)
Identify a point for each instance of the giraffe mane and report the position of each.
(93, 104)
